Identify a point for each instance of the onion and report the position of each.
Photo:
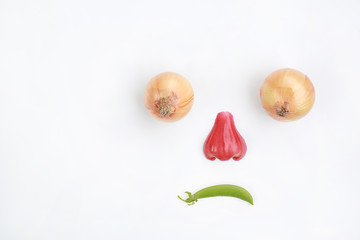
(168, 96)
(287, 95)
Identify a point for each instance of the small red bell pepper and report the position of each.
(224, 141)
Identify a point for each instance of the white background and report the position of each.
(81, 158)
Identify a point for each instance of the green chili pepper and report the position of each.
(226, 190)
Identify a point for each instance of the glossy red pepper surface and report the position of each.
(224, 141)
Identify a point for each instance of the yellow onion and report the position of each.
(287, 94)
(168, 96)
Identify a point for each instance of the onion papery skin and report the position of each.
(287, 94)
(168, 96)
